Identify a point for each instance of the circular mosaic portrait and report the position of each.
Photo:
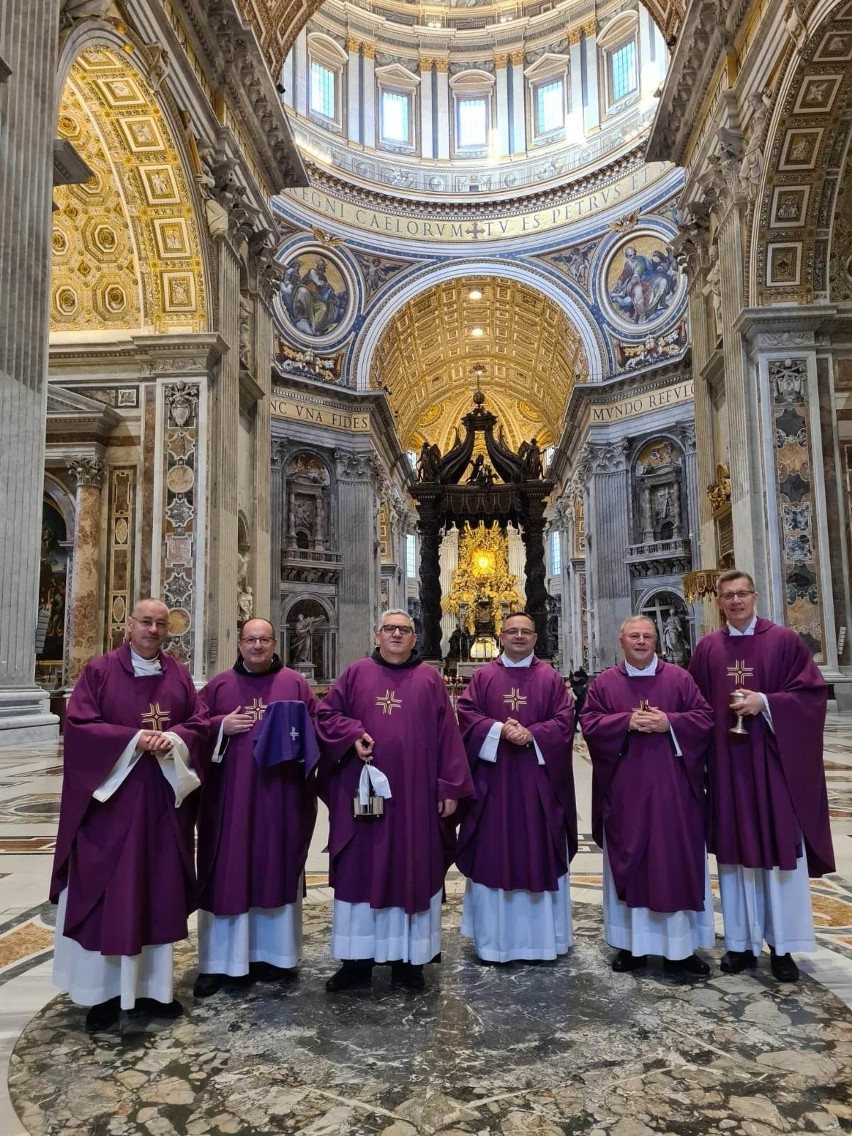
(643, 284)
(315, 297)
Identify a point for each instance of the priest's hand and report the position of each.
(751, 705)
(515, 733)
(152, 741)
(656, 720)
(364, 746)
(446, 808)
(239, 721)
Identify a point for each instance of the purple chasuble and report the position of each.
(767, 788)
(401, 858)
(256, 822)
(648, 801)
(521, 831)
(128, 861)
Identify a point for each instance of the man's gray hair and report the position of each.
(638, 619)
(395, 611)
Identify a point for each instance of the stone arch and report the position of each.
(658, 604)
(322, 639)
(420, 282)
(659, 490)
(128, 251)
(806, 152)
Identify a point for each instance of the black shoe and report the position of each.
(407, 975)
(268, 972)
(692, 965)
(783, 967)
(104, 1015)
(625, 961)
(735, 962)
(154, 1009)
(207, 984)
(355, 974)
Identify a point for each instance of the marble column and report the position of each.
(535, 571)
(742, 411)
(262, 431)
(368, 94)
(28, 38)
(608, 487)
(278, 508)
(353, 101)
(301, 77)
(519, 122)
(430, 582)
(84, 600)
(442, 69)
(574, 125)
(502, 86)
(357, 499)
(427, 124)
(591, 104)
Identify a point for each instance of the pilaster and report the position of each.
(84, 600)
(29, 36)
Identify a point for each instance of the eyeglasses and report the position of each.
(518, 631)
(261, 640)
(735, 595)
(389, 628)
(160, 624)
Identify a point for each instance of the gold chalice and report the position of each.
(739, 728)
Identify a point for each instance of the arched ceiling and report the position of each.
(528, 351)
(126, 246)
(277, 22)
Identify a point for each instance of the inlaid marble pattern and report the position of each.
(505, 1051)
(547, 1049)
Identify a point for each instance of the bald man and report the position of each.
(124, 872)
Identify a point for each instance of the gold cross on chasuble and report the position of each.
(739, 672)
(156, 717)
(514, 698)
(256, 710)
(389, 703)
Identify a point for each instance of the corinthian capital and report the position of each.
(86, 471)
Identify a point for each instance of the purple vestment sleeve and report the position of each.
(767, 790)
(647, 801)
(521, 830)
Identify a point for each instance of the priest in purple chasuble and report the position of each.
(519, 834)
(769, 825)
(387, 728)
(136, 740)
(648, 728)
(256, 817)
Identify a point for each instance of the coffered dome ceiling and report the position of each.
(515, 341)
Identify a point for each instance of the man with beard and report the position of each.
(256, 819)
(394, 729)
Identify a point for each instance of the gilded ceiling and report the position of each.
(277, 23)
(126, 247)
(528, 351)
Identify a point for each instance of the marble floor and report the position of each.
(549, 1049)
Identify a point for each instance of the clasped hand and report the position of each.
(515, 733)
(650, 721)
(152, 741)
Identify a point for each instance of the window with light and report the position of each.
(396, 117)
(622, 71)
(472, 122)
(549, 106)
(411, 556)
(323, 90)
(555, 554)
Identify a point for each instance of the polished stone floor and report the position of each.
(549, 1049)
